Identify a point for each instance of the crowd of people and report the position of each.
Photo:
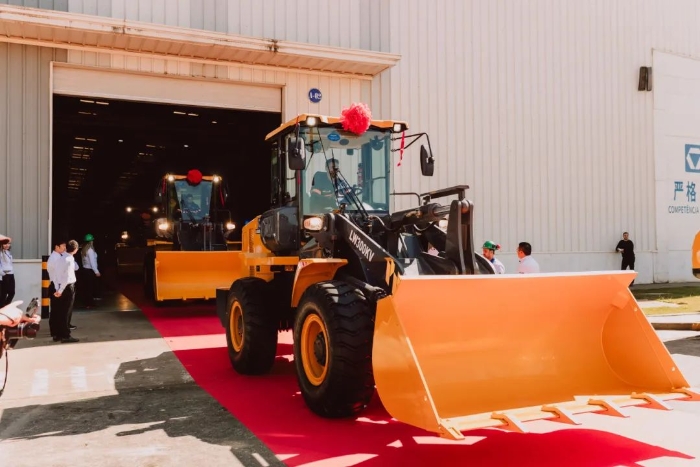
(64, 272)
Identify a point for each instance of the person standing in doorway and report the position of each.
(65, 293)
(527, 264)
(52, 266)
(90, 271)
(626, 249)
(7, 285)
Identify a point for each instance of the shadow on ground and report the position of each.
(156, 392)
(688, 346)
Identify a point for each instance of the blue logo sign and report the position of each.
(315, 95)
(334, 136)
(692, 158)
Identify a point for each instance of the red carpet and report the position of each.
(272, 409)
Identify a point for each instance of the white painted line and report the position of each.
(78, 378)
(260, 459)
(206, 341)
(40, 383)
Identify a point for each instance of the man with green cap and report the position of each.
(489, 252)
(90, 271)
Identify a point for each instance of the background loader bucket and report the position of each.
(453, 353)
(696, 256)
(194, 274)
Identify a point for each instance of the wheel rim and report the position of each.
(314, 349)
(236, 327)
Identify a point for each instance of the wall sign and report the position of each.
(315, 95)
(684, 197)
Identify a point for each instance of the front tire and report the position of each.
(251, 326)
(333, 334)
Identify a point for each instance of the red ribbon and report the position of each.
(403, 145)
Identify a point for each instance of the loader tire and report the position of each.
(333, 333)
(251, 326)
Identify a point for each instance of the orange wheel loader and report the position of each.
(190, 256)
(447, 344)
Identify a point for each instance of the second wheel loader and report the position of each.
(447, 344)
(190, 256)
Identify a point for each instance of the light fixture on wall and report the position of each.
(644, 79)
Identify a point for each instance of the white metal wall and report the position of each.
(24, 147)
(534, 104)
(359, 24)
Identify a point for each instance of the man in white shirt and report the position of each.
(527, 264)
(59, 248)
(64, 282)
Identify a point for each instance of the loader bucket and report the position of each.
(453, 353)
(696, 256)
(194, 274)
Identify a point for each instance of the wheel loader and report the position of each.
(401, 303)
(190, 255)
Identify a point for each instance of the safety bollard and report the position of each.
(45, 300)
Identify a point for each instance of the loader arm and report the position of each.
(368, 261)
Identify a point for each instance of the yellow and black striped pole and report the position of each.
(45, 300)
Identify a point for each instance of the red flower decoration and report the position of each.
(356, 118)
(194, 176)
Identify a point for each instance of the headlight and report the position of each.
(163, 226)
(230, 226)
(125, 235)
(313, 223)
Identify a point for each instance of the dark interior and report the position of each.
(111, 154)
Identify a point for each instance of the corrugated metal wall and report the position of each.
(361, 24)
(535, 105)
(24, 146)
(59, 5)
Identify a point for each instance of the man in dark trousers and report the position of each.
(65, 293)
(626, 248)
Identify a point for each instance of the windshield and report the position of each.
(343, 167)
(194, 201)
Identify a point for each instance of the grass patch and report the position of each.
(687, 299)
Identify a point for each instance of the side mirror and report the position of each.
(427, 163)
(296, 154)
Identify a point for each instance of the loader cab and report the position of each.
(318, 167)
(194, 217)
(344, 171)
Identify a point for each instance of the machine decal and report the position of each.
(361, 246)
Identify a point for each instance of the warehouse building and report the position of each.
(570, 121)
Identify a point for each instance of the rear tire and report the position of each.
(333, 334)
(251, 326)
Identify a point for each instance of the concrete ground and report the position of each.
(119, 397)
